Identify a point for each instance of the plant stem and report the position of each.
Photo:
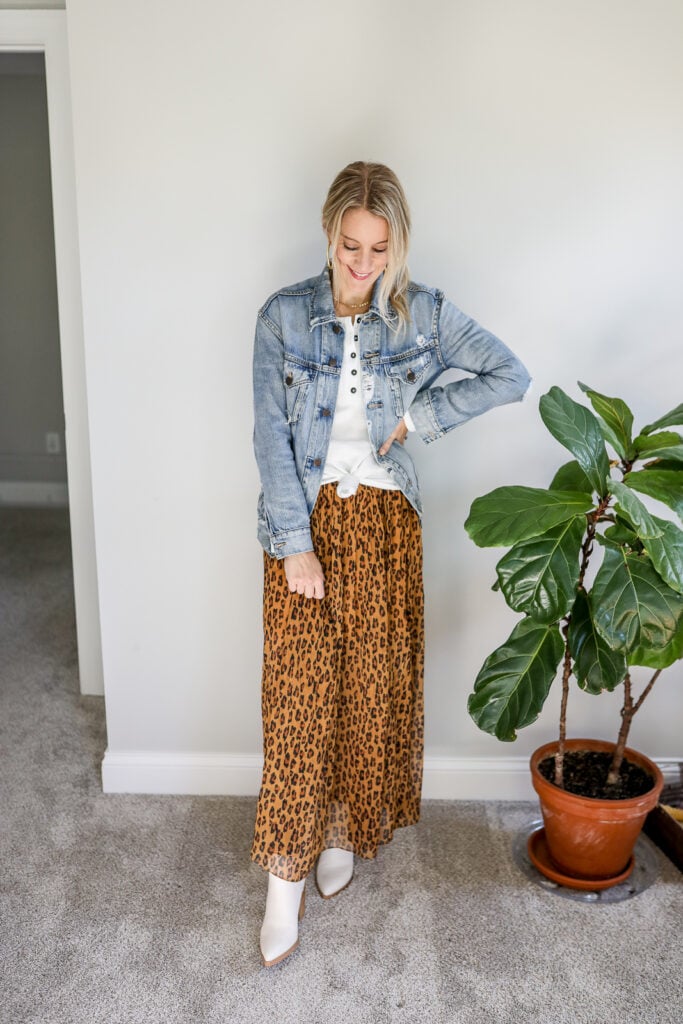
(627, 712)
(586, 551)
(562, 739)
(646, 691)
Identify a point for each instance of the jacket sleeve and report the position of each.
(499, 376)
(284, 500)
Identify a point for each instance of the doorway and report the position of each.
(44, 440)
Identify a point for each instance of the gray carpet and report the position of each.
(146, 910)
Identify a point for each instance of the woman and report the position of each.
(345, 365)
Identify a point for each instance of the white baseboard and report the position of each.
(217, 774)
(445, 778)
(25, 493)
(141, 771)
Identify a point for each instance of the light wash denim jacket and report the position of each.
(297, 361)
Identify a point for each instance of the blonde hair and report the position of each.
(374, 187)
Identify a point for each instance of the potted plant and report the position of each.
(594, 625)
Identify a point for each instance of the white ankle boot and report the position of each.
(333, 872)
(280, 929)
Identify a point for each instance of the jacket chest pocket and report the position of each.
(297, 382)
(406, 375)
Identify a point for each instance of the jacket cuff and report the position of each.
(423, 418)
(293, 542)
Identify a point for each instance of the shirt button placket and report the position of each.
(353, 356)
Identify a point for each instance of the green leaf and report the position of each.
(665, 485)
(577, 429)
(632, 606)
(515, 679)
(662, 540)
(596, 666)
(539, 576)
(571, 477)
(666, 553)
(671, 419)
(616, 417)
(667, 444)
(661, 657)
(510, 514)
(633, 510)
(607, 540)
(622, 533)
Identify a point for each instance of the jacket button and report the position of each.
(332, 362)
(326, 412)
(410, 376)
(317, 462)
(336, 328)
(289, 379)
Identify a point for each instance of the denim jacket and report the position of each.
(297, 361)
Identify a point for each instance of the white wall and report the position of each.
(540, 146)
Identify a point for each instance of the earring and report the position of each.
(329, 261)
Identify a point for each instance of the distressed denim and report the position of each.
(297, 361)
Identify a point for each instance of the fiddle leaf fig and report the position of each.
(670, 419)
(596, 666)
(662, 540)
(666, 553)
(511, 514)
(632, 606)
(633, 615)
(667, 444)
(571, 477)
(577, 429)
(539, 576)
(666, 485)
(633, 511)
(620, 535)
(616, 420)
(515, 679)
(660, 657)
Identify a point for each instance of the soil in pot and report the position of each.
(585, 774)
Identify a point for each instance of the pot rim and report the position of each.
(635, 756)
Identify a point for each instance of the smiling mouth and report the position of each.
(359, 277)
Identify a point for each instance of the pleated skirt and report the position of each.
(342, 687)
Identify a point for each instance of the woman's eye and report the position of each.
(350, 248)
(380, 252)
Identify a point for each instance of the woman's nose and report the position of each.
(363, 263)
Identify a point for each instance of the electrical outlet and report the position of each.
(52, 443)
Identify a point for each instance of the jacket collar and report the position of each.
(322, 303)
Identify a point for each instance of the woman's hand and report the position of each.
(305, 575)
(400, 435)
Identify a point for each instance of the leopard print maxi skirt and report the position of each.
(342, 696)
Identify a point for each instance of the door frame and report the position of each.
(45, 31)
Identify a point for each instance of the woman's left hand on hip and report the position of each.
(400, 434)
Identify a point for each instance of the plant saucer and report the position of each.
(539, 855)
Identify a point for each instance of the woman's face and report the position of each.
(362, 252)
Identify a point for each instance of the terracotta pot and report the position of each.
(589, 838)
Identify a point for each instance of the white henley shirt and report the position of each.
(350, 459)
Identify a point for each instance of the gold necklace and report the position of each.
(350, 305)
